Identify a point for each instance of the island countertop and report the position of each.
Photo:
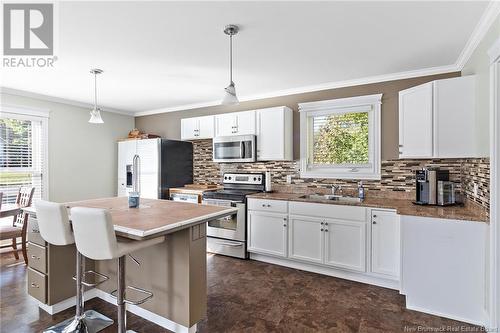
(402, 206)
(153, 217)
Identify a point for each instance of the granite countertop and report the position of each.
(469, 212)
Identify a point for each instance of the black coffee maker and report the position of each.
(427, 185)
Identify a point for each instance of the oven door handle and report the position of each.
(229, 244)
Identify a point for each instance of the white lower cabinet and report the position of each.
(385, 243)
(267, 233)
(331, 239)
(305, 239)
(345, 244)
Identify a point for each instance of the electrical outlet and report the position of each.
(476, 189)
(288, 179)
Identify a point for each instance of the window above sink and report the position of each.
(340, 138)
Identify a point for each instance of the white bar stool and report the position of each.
(55, 229)
(95, 238)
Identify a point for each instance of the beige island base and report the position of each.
(174, 271)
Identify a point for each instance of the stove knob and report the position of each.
(254, 178)
(225, 177)
(259, 179)
(229, 178)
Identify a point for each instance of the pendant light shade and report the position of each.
(95, 116)
(230, 91)
(230, 95)
(95, 113)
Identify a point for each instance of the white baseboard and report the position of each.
(148, 315)
(445, 315)
(143, 313)
(66, 304)
(358, 277)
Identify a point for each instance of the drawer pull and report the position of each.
(33, 285)
(35, 257)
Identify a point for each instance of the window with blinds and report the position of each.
(22, 155)
(340, 138)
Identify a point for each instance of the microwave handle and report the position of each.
(242, 149)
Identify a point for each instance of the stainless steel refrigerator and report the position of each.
(164, 164)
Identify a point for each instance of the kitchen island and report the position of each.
(174, 270)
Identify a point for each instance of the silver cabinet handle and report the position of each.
(229, 244)
(322, 223)
(374, 222)
(284, 219)
(374, 215)
(34, 285)
(322, 229)
(284, 224)
(326, 230)
(35, 257)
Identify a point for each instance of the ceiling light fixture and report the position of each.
(230, 95)
(95, 113)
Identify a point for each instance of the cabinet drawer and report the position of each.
(328, 210)
(33, 232)
(37, 285)
(276, 206)
(37, 257)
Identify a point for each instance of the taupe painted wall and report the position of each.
(82, 156)
(168, 124)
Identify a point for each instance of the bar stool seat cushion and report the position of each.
(53, 222)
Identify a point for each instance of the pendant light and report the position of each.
(230, 94)
(95, 113)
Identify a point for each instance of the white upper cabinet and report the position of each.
(436, 119)
(237, 123)
(415, 122)
(197, 128)
(275, 134)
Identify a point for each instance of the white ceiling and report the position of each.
(159, 55)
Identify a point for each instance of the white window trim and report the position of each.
(29, 113)
(370, 103)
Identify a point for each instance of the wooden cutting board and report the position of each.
(201, 186)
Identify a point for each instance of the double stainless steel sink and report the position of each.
(330, 197)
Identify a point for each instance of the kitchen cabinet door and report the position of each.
(274, 134)
(267, 233)
(385, 245)
(454, 118)
(305, 239)
(345, 244)
(225, 124)
(245, 123)
(416, 122)
(190, 128)
(206, 127)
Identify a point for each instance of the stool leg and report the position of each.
(89, 321)
(120, 296)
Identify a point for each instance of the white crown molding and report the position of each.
(484, 24)
(312, 88)
(22, 93)
(482, 27)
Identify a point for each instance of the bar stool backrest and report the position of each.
(94, 233)
(53, 223)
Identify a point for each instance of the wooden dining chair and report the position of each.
(19, 223)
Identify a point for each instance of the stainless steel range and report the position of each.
(228, 235)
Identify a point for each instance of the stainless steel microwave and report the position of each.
(240, 148)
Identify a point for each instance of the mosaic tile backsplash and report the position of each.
(398, 176)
